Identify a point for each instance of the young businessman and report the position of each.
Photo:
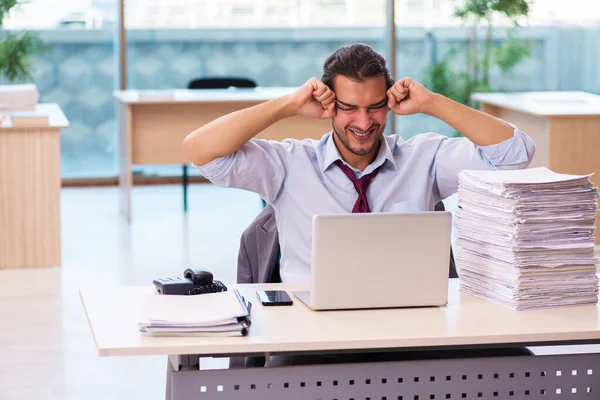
(353, 168)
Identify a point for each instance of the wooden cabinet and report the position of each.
(30, 192)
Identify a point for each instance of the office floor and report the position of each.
(46, 348)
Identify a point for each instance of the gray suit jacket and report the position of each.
(258, 262)
(258, 259)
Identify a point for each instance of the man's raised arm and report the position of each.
(409, 97)
(228, 133)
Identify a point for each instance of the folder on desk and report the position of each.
(214, 314)
(29, 118)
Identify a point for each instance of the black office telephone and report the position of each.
(194, 281)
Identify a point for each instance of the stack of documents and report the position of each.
(525, 238)
(18, 98)
(213, 314)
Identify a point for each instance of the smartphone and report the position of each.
(274, 298)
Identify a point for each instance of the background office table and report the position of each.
(153, 124)
(564, 125)
(30, 191)
(467, 322)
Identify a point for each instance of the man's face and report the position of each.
(361, 113)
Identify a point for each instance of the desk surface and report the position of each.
(201, 96)
(57, 118)
(113, 314)
(544, 103)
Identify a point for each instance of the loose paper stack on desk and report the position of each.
(213, 314)
(23, 97)
(525, 238)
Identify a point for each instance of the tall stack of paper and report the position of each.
(525, 238)
(213, 314)
(18, 98)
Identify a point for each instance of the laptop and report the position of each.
(379, 260)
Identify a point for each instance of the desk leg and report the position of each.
(185, 187)
(184, 361)
(125, 155)
(176, 363)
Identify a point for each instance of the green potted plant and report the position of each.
(481, 54)
(16, 48)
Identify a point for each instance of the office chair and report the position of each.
(221, 83)
(212, 83)
(452, 272)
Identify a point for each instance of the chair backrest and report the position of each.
(221, 83)
(452, 273)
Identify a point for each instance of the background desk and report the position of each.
(564, 125)
(30, 191)
(152, 126)
(467, 322)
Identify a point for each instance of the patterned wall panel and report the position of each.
(77, 72)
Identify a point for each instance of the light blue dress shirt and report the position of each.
(299, 179)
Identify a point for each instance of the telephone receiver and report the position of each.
(194, 281)
(199, 276)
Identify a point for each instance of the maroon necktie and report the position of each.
(361, 185)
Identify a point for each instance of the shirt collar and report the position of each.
(332, 155)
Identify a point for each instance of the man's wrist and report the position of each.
(434, 106)
(285, 107)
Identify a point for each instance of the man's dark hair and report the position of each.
(356, 62)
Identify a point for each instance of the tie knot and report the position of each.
(360, 185)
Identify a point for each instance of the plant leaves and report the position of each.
(511, 52)
(483, 9)
(15, 50)
(5, 6)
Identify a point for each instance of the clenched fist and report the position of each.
(408, 97)
(314, 99)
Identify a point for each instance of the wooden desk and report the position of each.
(30, 191)
(467, 322)
(564, 125)
(153, 125)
